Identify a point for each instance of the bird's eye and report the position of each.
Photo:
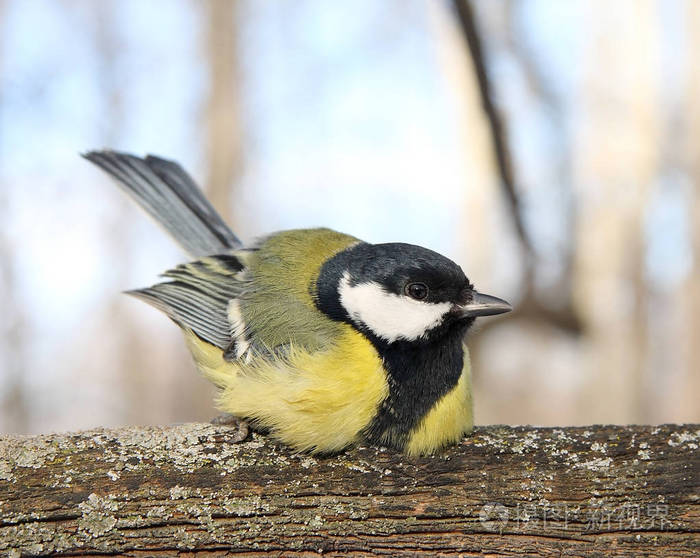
(419, 291)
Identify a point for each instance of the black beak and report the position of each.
(483, 305)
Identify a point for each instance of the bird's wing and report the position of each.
(199, 296)
(220, 300)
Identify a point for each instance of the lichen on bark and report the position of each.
(626, 490)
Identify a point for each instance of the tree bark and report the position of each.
(585, 491)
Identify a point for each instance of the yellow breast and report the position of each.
(316, 401)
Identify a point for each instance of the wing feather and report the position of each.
(199, 296)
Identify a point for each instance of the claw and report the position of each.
(227, 419)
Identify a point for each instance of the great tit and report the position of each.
(315, 336)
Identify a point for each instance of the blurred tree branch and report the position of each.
(541, 87)
(500, 145)
(563, 315)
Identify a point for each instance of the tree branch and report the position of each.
(564, 317)
(615, 490)
(465, 16)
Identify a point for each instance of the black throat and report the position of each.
(419, 374)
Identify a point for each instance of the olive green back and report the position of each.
(279, 306)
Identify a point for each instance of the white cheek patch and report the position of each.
(388, 315)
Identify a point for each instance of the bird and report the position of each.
(313, 336)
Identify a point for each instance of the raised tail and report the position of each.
(171, 197)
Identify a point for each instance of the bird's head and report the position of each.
(400, 292)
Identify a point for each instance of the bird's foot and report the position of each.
(227, 419)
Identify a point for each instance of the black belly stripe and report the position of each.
(419, 376)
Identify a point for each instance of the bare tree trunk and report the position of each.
(616, 164)
(13, 328)
(691, 306)
(224, 135)
(13, 331)
(593, 491)
(128, 345)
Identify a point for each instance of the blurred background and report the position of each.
(551, 148)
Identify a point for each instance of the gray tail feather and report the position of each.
(171, 197)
